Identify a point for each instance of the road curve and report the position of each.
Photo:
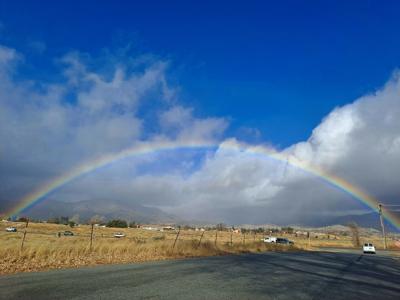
(294, 275)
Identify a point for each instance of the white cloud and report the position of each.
(358, 142)
(7, 55)
(180, 122)
(43, 132)
(42, 135)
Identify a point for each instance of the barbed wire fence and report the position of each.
(227, 238)
(139, 235)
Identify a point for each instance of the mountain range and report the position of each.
(85, 210)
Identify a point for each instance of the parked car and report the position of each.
(369, 248)
(270, 239)
(119, 235)
(284, 241)
(68, 233)
(11, 229)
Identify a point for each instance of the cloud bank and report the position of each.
(48, 128)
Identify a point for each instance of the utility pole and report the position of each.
(176, 239)
(200, 239)
(91, 237)
(23, 239)
(382, 226)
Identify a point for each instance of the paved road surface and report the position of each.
(308, 275)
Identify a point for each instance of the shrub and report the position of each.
(53, 220)
(355, 234)
(117, 223)
(23, 219)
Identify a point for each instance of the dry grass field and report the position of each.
(340, 241)
(43, 249)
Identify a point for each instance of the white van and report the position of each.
(369, 248)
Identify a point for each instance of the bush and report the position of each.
(53, 220)
(23, 219)
(64, 220)
(287, 229)
(221, 227)
(117, 223)
(355, 234)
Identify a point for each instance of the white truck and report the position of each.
(270, 239)
(119, 235)
(11, 229)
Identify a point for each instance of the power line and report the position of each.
(390, 205)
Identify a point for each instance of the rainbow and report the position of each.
(42, 192)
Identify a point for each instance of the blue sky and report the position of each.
(277, 67)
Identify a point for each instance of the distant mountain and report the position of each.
(104, 208)
(369, 220)
(143, 214)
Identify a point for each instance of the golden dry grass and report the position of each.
(343, 242)
(43, 249)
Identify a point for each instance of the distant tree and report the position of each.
(53, 220)
(64, 220)
(220, 227)
(96, 219)
(355, 234)
(187, 227)
(71, 224)
(259, 230)
(22, 219)
(287, 229)
(75, 219)
(132, 224)
(117, 223)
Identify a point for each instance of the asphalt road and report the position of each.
(295, 275)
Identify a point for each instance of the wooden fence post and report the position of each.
(231, 238)
(216, 237)
(91, 237)
(200, 239)
(244, 238)
(23, 238)
(179, 231)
